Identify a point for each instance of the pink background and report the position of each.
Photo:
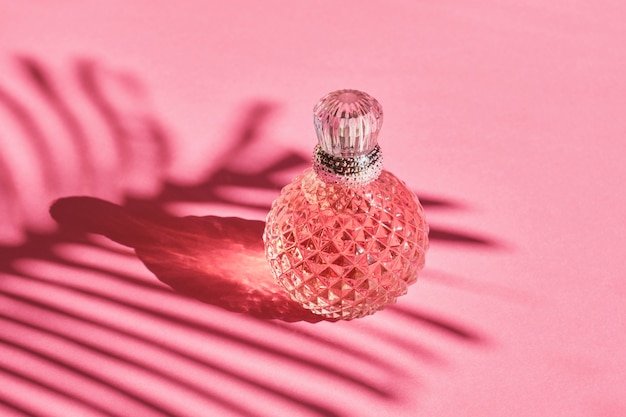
(506, 117)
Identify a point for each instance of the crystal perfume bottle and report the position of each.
(346, 237)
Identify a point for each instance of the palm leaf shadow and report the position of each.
(217, 260)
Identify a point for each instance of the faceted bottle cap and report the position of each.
(347, 123)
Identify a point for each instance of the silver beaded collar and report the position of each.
(351, 172)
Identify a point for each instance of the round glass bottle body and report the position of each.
(346, 252)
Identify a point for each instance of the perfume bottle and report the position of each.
(346, 238)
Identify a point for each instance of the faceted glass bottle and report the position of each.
(346, 237)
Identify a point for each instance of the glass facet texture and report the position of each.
(346, 252)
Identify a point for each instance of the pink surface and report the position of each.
(507, 118)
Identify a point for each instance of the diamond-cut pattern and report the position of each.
(346, 252)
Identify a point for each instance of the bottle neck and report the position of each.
(352, 172)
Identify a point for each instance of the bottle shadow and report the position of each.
(217, 260)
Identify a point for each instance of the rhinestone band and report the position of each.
(352, 172)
